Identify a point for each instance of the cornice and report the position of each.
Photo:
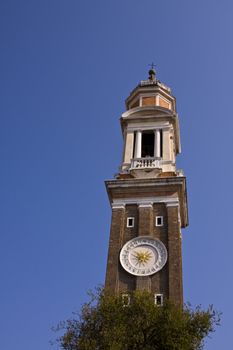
(145, 202)
(145, 182)
(148, 190)
(161, 111)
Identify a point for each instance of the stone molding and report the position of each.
(145, 202)
(118, 206)
(145, 205)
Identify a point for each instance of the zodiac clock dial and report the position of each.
(143, 256)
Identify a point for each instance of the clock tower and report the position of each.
(148, 198)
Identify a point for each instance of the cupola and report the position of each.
(151, 92)
(150, 128)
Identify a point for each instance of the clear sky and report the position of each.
(66, 67)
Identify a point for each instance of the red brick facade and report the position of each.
(168, 281)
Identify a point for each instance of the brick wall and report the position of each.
(168, 281)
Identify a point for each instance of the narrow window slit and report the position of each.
(159, 221)
(159, 299)
(130, 222)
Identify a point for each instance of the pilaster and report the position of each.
(129, 140)
(145, 218)
(115, 244)
(166, 144)
(174, 254)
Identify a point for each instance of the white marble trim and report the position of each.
(146, 202)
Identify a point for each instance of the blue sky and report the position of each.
(66, 68)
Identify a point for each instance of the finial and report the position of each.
(152, 72)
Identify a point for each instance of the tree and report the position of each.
(106, 322)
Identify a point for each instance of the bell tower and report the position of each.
(148, 197)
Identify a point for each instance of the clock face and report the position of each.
(143, 256)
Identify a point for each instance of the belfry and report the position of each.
(148, 198)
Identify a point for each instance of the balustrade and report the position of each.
(139, 163)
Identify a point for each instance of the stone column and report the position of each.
(138, 145)
(157, 150)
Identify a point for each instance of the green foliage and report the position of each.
(105, 323)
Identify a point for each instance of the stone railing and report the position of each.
(143, 163)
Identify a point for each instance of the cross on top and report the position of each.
(152, 72)
(152, 65)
